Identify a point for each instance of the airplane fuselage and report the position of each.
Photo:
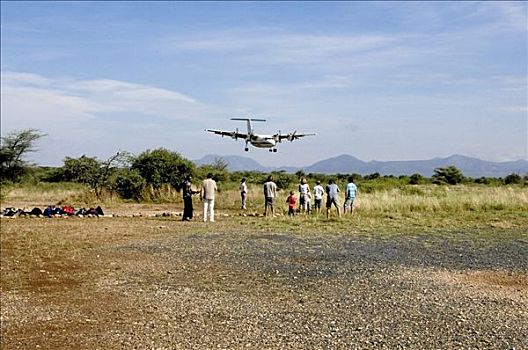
(262, 141)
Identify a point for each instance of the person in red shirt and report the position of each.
(292, 202)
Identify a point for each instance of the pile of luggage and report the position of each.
(53, 211)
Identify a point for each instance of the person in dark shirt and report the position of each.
(187, 199)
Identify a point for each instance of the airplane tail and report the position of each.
(249, 120)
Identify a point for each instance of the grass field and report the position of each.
(417, 267)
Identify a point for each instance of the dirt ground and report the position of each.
(159, 283)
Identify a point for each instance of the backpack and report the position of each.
(68, 210)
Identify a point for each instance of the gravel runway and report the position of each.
(240, 290)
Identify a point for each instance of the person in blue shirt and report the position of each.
(350, 196)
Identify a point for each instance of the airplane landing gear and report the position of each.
(274, 150)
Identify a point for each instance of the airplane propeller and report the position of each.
(291, 136)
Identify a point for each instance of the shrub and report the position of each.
(162, 166)
(416, 179)
(450, 175)
(513, 179)
(128, 184)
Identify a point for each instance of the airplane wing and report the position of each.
(291, 136)
(233, 134)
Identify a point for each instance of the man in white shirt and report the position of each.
(318, 196)
(243, 192)
(207, 196)
(270, 193)
(304, 200)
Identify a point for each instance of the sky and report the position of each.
(375, 80)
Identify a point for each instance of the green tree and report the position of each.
(90, 171)
(128, 184)
(450, 175)
(219, 169)
(416, 179)
(513, 179)
(373, 176)
(162, 166)
(13, 148)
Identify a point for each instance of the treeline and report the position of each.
(155, 173)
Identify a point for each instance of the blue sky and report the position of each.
(376, 80)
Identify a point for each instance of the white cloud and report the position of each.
(516, 109)
(102, 115)
(28, 99)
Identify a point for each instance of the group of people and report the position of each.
(209, 188)
(305, 197)
(207, 196)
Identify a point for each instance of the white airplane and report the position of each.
(258, 140)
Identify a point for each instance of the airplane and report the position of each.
(258, 140)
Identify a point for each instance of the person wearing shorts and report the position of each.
(270, 193)
(332, 191)
(350, 196)
(304, 200)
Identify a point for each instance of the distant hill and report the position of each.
(471, 167)
(347, 164)
(235, 163)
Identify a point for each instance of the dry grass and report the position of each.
(432, 199)
(410, 208)
(429, 199)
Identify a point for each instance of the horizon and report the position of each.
(385, 81)
(286, 165)
(349, 155)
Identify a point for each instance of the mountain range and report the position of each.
(347, 164)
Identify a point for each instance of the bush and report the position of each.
(513, 179)
(450, 175)
(128, 184)
(161, 166)
(416, 179)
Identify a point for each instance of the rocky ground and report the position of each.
(158, 283)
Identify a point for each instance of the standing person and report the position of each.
(208, 196)
(350, 196)
(187, 199)
(332, 190)
(318, 196)
(304, 189)
(270, 193)
(309, 202)
(243, 192)
(292, 201)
